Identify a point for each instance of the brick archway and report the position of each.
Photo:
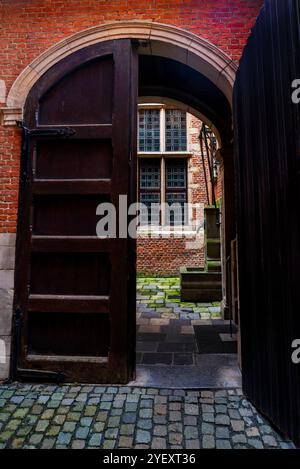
(157, 39)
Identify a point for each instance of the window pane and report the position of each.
(151, 216)
(175, 130)
(176, 174)
(149, 130)
(149, 174)
(177, 213)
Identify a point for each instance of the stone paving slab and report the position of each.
(80, 416)
(207, 372)
(165, 333)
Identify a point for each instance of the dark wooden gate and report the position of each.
(267, 134)
(75, 292)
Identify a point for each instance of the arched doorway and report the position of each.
(64, 303)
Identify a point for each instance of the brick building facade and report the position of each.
(159, 254)
(30, 27)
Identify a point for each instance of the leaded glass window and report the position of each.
(174, 183)
(176, 191)
(150, 190)
(176, 213)
(150, 213)
(149, 130)
(150, 174)
(175, 130)
(176, 174)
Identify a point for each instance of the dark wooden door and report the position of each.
(75, 292)
(267, 136)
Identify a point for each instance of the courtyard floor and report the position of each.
(135, 416)
(165, 333)
(162, 295)
(43, 416)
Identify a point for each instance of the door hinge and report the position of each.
(48, 132)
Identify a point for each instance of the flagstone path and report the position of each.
(165, 333)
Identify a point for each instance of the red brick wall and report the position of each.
(218, 184)
(10, 151)
(28, 27)
(31, 26)
(197, 177)
(166, 256)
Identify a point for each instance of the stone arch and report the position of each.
(156, 39)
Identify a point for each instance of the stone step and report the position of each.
(201, 277)
(201, 295)
(192, 269)
(201, 286)
(214, 266)
(211, 217)
(213, 240)
(213, 249)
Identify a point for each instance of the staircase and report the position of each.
(205, 285)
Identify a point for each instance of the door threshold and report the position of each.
(213, 371)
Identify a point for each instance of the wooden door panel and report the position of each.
(267, 129)
(91, 99)
(72, 159)
(89, 335)
(70, 273)
(62, 215)
(74, 292)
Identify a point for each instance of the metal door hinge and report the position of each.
(48, 132)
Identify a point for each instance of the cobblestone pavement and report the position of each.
(43, 416)
(161, 297)
(165, 333)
